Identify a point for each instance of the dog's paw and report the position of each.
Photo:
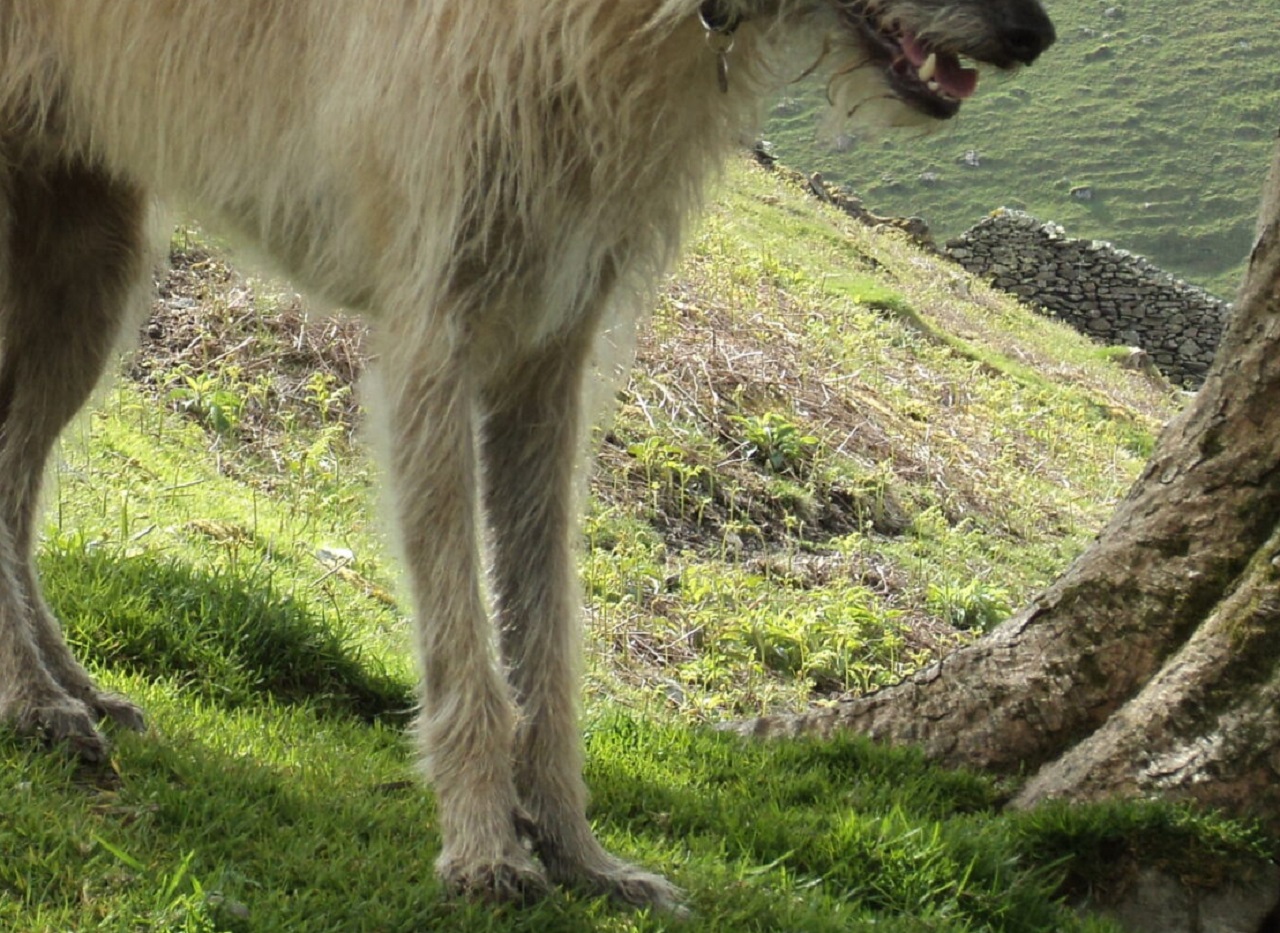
(630, 885)
(516, 880)
(62, 721)
(119, 710)
(576, 859)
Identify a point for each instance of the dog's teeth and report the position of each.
(929, 68)
(933, 86)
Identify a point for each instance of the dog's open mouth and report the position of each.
(932, 80)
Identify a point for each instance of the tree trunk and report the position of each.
(1153, 663)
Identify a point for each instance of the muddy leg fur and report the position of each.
(73, 265)
(529, 448)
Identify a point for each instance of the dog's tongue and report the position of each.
(953, 78)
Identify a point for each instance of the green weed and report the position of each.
(775, 441)
(972, 604)
(209, 397)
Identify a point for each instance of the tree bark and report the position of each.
(1153, 663)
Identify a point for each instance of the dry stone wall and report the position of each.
(1110, 294)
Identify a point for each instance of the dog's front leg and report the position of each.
(467, 722)
(74, 265)
(31, 699)
(529, 446)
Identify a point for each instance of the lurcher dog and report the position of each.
(491, 182)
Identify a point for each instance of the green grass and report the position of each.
(281, 819)
(839, 457)
(949, 453)
(1172, 128)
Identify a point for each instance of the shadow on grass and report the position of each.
(763, 838)
(231, 639)
(318, 830)
(196, 838)
(867, 834)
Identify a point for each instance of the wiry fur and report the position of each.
(491, 182)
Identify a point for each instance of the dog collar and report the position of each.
(720, 21)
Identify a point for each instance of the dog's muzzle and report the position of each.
(925, 66)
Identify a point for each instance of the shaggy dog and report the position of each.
(493, 183)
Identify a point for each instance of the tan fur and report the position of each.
(493, 183)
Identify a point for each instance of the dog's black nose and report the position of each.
(1028, 32)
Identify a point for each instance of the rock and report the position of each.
(335, 556)
(1157, 902)
(1139, 360)
(818, 187)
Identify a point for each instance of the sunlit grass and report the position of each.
(833, 465)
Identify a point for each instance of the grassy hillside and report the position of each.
(1166, 111)
(838, 457)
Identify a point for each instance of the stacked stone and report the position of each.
(1109, 294)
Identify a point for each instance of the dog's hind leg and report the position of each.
(530, 449)
(73, 260)
(466, 723)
